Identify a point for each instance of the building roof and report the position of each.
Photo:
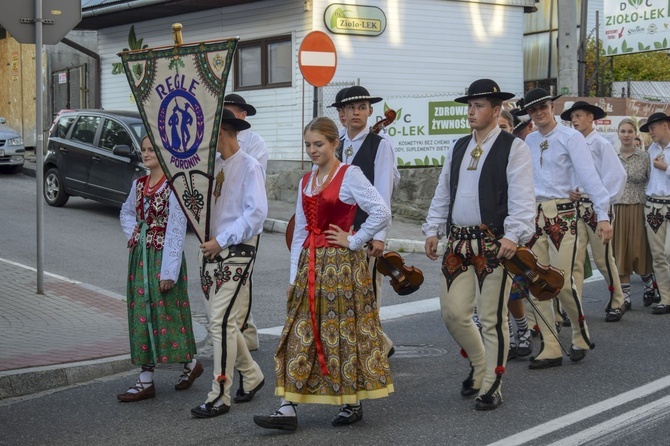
(97, 14)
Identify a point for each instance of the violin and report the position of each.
(544, 281)
(404, 280)
(290, 227)
(380, 125)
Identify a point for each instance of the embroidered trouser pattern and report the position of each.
(555, 243)
(602, 255)
(226, 287)
(657, 218)
(472, 277)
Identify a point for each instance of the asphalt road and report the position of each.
(617, 395)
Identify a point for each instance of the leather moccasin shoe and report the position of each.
(277, 421)
(208, 410)
(348, 415)
(538, 364)
(488, 402)
(142, 393)
(186, 379)
(468, 391)
(391, 352)
(661, 309)
(245, 397)
(577, 355)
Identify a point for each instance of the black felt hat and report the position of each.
(521, 120)
(482, 88)
(537, 96)
(236, 99)
(656, 117)
(229, 118)
(598, 113)
(338, 98)
(356, 94)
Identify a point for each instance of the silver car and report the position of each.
(12, 151)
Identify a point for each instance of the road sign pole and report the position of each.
(315, 110)
(39, 146)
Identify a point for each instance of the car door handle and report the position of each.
(63, 149)
(96, 159)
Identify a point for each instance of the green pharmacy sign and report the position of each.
(634, 26)
(352, 19)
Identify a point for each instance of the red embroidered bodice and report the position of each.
(156, 216)
(326, 208)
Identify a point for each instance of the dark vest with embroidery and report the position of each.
(492, 181)
(365, 159)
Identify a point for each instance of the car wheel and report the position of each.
(54, 190)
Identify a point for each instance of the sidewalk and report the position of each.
(77, 332)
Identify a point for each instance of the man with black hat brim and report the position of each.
(523, 125)
(485, 180)
(340, 110)
(239, 208)
(560, 154)
(249, 141)
(613, 175)
(376, 158)
(254, 145)
(657, 207)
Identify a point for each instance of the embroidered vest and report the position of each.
(492, 181)
(156, 216)
(326, 208)
(365, 159)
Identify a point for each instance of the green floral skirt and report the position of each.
(168, 318)
(347, 320)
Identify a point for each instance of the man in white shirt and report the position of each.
(252, 144)
(613, 175)
(657, 208)
(239, 208)
(485, 180)
(374, 155)
(561, 162)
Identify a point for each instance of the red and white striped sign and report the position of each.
(317, 58)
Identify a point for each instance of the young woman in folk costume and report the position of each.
(331, 350)
(159, 314)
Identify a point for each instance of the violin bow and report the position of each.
(526, 295)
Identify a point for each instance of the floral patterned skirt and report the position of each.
(169, 316)
(348, 323)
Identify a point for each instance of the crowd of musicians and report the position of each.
(518, 202)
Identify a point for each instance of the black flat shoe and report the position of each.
(277, 421)
(661, 309)
(539, 364)
(577, 355)
(488, 402)
(245, 397)
(467, 389)
(348, 415)
(391, 352)
(209, 411)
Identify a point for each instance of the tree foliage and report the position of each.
(647, 66)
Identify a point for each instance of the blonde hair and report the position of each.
(324, 126)
(507, 116)
(627, 121)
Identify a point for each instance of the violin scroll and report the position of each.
(380, 125)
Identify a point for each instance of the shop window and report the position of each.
(263, 63)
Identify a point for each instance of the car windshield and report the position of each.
(139, 130)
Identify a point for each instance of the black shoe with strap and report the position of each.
(348, 415)
(278, 420)
(661, 309)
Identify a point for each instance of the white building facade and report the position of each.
(428, 53)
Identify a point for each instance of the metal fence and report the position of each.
(327, 96)
(643, 90)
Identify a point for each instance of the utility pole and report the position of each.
(567, 47)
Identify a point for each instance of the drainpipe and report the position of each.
(98, 70)
(119, 7)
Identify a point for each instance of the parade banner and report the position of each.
(634, 26)
(179, 91)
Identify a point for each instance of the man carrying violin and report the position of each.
(375, 156)
(561, 162)
(486, 180)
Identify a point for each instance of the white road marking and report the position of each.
(646, 415)
(55, 276)
(540, 430)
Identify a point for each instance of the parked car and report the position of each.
(93, 154)
(12, 151)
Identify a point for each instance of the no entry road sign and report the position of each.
(317, 58)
